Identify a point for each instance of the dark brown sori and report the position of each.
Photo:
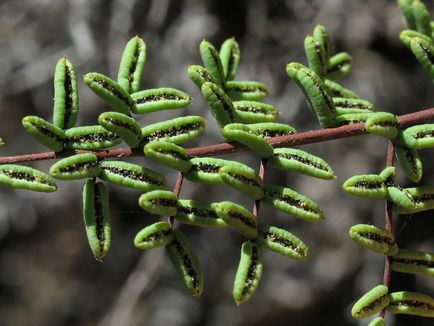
(171, 132)
(114, 91)
(245, 180)
(78, 166)
(96, 137)
(133, 175)
(282, 241)
(24, 176)
(413, 261)
(174, 154)
(239, 216)
(290, 201)
(99, 218)
(377, 237)
(197, 211)
(186, 261)
(205, 167)
(251, 273)
(159, 97)
(67, 84)
(369, 184)
(301, 159)
(125, 125)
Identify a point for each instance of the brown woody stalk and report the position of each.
(297, 139)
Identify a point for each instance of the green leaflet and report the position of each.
(169, 154)
(79, 166)
(336, 90)
(45, 132)
(382, 124)
(243, 134)
(153, 236)
(367, 186)
(132, 64)
(211, 61)
(301, 161)
(242, 178)
(315, 56)
(290, 202)
(254, 112)
(246, 90)
(339, 65)
(282, 242)
(65, 95)
(123, 126)
(97, 217)
(417, 137)
(374, 238)
(186, 263)
(237, 217)
(199, 213)
(24, 177)
(206, 170)
(221, 105)
(410, 162)
(158, 99)
(413, 262)
(132, 176)
(371, 302)
(314, 90)
(160, 202)
(411, 303)
(110, 92)
(230, 58)
(91, 138)
(249, 272)
(177, 130)
(200, 75)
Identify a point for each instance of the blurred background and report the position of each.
(48, 275)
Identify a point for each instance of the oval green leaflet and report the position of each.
(374, 238)
(249, 272)
(169, 154)
(339, 66)
(367, 186)
(79, 166)
(132, 176)
(237, 217)
(123, 126)
(421, 17)
(241, 133)
(199, 213)
(91, 138)
(230, 57)
(221, 105)
(271, 129)
(160, 202)
(322, 38)
(205, 170)
(411, 303)
(211, 61)
(388, 175)
(423, 198)
(410, 162)
(407, 35)
(186, 263)
(153, 236)
(110, 91)
(383, 124)
(423, 50)
(158, 99)
(301, 161)
(413, 262)
(132, 64)
(25, 177)
(315, 56)
(371, 302)
(352, 118)
(345, 105)
(401, 197)
(97, 217)
(315, 93)
(45, 132)
(242, 178)
(65, 95)
(337, 90)
(282, 242)
(290, 202)
(417, 137)
(254, 112)
(177, 130)
(1, 142)
(200, 75)
(246, 90)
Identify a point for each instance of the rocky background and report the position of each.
(47, 273)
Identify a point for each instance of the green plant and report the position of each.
(251, 136)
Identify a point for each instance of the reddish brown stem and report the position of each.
(262, 168)
(389, 224)
(297, 139)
